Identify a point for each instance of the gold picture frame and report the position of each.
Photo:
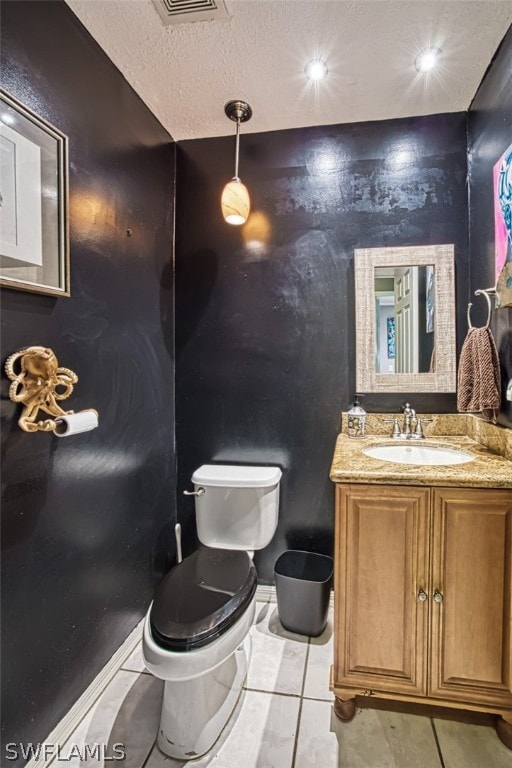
(34, 236)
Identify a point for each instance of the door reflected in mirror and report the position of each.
(404, 319)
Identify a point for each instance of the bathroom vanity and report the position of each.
(423, 579)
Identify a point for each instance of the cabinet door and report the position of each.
(471, 579)
(381, 565)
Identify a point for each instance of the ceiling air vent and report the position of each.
(182, 11)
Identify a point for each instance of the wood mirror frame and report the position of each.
(444, 377)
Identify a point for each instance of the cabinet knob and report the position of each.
(438, 596)
(422, 595)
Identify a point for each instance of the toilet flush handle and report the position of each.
(200, 491)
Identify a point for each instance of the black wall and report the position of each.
(264, 313)
(489, 135)
(86, 520)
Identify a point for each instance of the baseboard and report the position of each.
(70, 722)
(266, 593)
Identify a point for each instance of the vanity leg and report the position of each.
(504, 729)
(344, 709)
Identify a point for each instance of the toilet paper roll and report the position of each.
(75, 423)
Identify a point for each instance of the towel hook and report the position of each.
(481, 292)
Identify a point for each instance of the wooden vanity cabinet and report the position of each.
(423, 597)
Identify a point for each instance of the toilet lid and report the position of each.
(201, 597)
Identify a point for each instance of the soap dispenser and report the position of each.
(357, 419)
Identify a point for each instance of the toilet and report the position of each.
(196, 631)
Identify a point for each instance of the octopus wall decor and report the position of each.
(39, 385)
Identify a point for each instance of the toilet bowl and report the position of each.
(196, 631)
(201, 685)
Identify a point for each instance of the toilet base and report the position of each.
(194, 712)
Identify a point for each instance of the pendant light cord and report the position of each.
(237, 143)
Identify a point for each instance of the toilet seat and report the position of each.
(201, 598)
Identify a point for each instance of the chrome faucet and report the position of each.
(409, 418)
(412, 428)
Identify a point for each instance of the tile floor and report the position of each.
(284, 719)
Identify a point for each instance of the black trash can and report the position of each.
(303, 585)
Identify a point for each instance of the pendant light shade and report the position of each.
(235, 201)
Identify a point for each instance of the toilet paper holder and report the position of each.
(40, 385)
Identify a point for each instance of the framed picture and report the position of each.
(34, 240)
(502, 182)
(391, 338)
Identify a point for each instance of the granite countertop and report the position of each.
(488, 470)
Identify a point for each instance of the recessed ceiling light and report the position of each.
(428, 59)
(316, 69)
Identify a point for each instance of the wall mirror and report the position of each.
(405, 319)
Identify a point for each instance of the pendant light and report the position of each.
(235, 202)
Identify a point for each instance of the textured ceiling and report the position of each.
(186, 73)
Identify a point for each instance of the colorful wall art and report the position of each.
(502, 178)
(391, 338)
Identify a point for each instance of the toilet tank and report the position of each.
(240, 505)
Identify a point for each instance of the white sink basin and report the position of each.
(407, 453)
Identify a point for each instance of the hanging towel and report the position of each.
(478, 381)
